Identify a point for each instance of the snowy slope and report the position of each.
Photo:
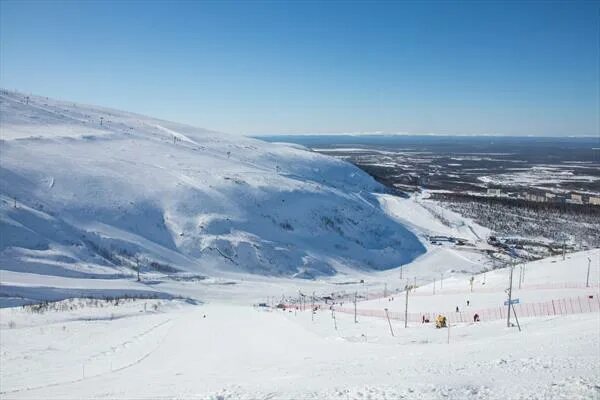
(90, 192)
(221, 350)
(428, 218)
(543, 280)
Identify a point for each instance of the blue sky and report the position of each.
(513, 68)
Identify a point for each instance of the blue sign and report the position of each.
(513, 301)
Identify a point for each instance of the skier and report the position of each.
(468, 302)
(457, 309)
(476, 318)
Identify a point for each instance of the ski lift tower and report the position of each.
(511, 302)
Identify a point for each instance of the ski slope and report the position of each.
(228, 350)
(538, 281)
(90, 192)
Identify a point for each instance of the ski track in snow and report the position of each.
(90, 360)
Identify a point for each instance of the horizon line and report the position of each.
(418, 134)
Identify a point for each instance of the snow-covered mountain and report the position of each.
(88, 191)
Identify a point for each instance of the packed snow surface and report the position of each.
(139, 349)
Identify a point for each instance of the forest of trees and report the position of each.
(578, 224)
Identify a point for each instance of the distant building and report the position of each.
(494, 192)
(535, 196)
(576, 198)
(595, 200)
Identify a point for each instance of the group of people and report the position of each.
(425, 319)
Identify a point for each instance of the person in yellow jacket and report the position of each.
(440, 321)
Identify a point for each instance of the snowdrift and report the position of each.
(93, 192)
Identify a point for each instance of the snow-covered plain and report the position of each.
(219, 224)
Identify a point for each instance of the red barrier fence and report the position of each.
(421, 291)
(480, 289)
(567, 306)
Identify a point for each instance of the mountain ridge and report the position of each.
(88, 189)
